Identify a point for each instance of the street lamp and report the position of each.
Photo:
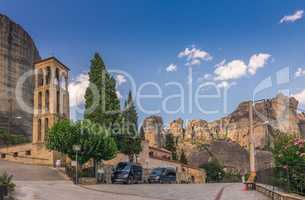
(76, 148)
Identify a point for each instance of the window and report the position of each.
(28, 153)
(39, 130)
(48, 75)
(47, 100)
(58, 101)
(3, 155)
(40, 77)
(151, 154)
(57, 77)
(46, 125)
(39, 102)
(15, 154)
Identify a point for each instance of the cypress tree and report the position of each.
(171, 145)
(107, 106)
(129, 142)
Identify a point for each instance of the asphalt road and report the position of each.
(44, 183)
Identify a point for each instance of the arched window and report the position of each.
(62, 82)
(39, 102)
(57, 101)
(47, 100)
(56, 76)
(40, 77)
(39, 130)
(46, 125)
(48, 75)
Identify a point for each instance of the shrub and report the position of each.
(6, 181)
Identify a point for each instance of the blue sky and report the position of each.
(144, 37)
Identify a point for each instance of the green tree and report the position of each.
(95, 142)
(289, 156)
(214, 170)
(183, 158)
(101, 101)
(129, 145)
(170, 145)
(130, 117)
(129, 142)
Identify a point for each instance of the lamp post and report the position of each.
(76, 148)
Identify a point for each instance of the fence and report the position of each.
(284, 179)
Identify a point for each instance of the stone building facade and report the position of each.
(51, 103)
(17, 56)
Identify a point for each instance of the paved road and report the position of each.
(30, 172)
(44, 183)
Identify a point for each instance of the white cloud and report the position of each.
(300, 72)
(232, 70)
(300, 97)
(120, 79)
(77, 90)
(257, 61)
(294, 17)
(225, 84)
(194, 56)
(171, 68)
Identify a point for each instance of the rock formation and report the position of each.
(17, 56)
(227, 139)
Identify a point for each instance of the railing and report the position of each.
(284, 179)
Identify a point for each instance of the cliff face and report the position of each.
(17, 56)
(278, 113)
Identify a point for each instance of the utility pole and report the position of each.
(251, 143)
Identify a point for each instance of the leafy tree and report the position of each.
(129, 145)
(94, 143)
(214, 170)
(101, 95)
(170, 145)
(129, 142)
(183, 158)
(289, 157)
(130, 117)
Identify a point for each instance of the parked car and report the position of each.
(128, 173)
(162, 175)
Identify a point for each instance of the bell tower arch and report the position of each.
(51, 96)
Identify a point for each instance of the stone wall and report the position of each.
(34, 154)
(17, 56)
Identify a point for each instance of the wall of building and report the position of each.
(34, 154)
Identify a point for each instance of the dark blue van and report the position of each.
(162, 175)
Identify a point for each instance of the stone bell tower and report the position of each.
(51, 97)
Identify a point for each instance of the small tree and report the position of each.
(289, 157)
(214, 170)
(129, 142)
(129, 145)
(170, 145)
(95, 142)
(183, 158)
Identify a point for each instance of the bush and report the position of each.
(12, 139)
(214, 170)
(6, 181)
(289, 156)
